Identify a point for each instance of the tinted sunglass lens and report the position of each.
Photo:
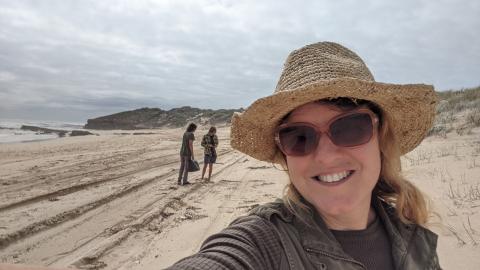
(297, 140)
(352, 130)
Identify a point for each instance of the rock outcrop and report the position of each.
(80, 133)
(41, 130)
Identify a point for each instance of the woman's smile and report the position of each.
(333, 178)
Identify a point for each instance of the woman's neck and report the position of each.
(357, 220)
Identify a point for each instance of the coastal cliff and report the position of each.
(146, 118)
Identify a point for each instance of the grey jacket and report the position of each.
(271, 237)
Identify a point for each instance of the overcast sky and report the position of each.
(73, 60)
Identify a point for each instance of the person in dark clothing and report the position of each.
(209, 143)
(186, 153)
(339, 135)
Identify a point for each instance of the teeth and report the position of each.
(333, 177)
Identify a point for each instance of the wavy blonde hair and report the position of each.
(409, 202)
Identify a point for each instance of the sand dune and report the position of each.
(111, 201)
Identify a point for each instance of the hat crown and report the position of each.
(320, 62)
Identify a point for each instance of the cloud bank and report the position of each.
(73, 60)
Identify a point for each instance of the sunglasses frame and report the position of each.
(325, 129)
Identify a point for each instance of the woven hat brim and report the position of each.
(410, 107)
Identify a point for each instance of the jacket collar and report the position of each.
(316, 235)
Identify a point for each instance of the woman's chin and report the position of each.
(338, 207)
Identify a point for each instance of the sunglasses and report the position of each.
(350, 129)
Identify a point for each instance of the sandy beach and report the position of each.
(111, 201)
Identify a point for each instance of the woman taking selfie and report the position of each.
(339, 135)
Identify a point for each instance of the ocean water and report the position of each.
(10, 131)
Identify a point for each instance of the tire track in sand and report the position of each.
(224, 197)
(62, 173)
(90, 256)
(9, 238)
(153, 163)
(113, 219)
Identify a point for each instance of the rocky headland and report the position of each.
(147, 118)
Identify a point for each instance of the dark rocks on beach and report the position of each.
(60, 133)
(80, 133)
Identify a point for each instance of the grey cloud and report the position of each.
(108, 56)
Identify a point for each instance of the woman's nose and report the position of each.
(326, 150)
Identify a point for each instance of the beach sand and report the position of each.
(111, 201)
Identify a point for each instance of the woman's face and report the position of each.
(361, 163)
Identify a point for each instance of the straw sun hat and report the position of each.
(329, 70)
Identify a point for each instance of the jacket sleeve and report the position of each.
(248, 243)
(204, 142)
(215, 141)
(435, 264)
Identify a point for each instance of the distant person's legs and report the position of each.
(186, 160)
(183, 173)
(204, 166)
(210, 165)
(182, 167)
(208, 161)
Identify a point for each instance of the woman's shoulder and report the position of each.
(263, 216)
(275, 209)
(249, 240)
(415, 234)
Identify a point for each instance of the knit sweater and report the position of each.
(370, 246)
